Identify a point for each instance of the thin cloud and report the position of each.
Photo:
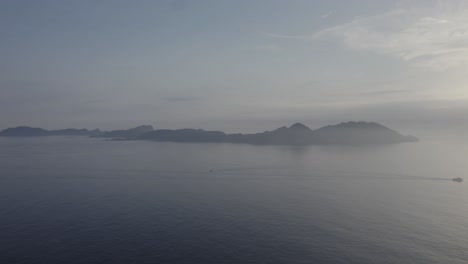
(427, 38)
(383, 92)
(326, 15)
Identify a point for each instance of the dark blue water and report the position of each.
(81, 200)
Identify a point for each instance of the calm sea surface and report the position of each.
(82, 200)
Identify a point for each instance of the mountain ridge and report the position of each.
(297, 134)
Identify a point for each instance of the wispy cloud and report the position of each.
(326, 15)
(382, 92)
(433, 38)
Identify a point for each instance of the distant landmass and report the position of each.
(297, 134)
(129, 133)
(25, 131)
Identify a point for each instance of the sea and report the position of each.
(73, 200)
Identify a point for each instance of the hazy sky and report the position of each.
(238, 65)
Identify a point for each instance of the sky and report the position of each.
(236, 66)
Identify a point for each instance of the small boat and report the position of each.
(457, 179)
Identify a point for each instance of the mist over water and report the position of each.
(92, 92)
(83, 200)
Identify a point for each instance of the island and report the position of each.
(298, 134)
(25, 131)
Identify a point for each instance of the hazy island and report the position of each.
(297, 134)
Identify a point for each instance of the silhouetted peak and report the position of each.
(355, 125)
(23, 131)
(143, 127)
(129, 133)
(299, 126)
(283, 128)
